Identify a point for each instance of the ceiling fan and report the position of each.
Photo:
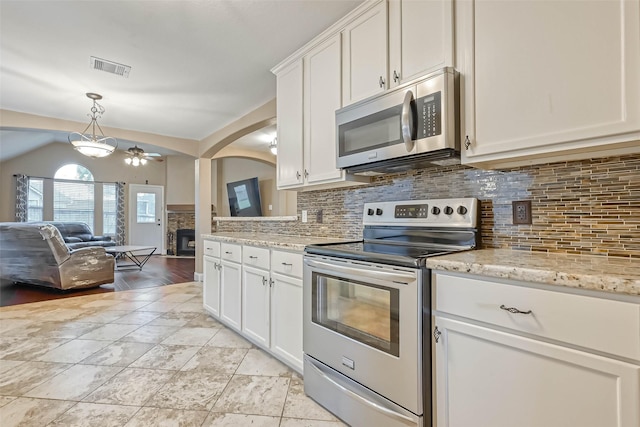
(136, 156)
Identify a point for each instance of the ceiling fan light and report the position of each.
(143, 161)
(135, 161)
(128, 160)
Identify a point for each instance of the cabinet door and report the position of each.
(365, 55)
(322, 76)
(286, 319)
(230, 294)
(485, 377)
(211, 285)
(255, 304)
(290, 138)
(553, 80)
(420, 38)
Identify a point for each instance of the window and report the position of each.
(146, 207)
(35, 200)
(73, 199)
(109, 209)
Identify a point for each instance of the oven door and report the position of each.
(363, 320)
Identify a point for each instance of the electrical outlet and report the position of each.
(319, 216)
(304, 216)
(521, 212)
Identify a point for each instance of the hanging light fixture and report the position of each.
(273, 146)
(93, 145)
(136, 156)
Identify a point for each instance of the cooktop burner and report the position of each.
(406, 233)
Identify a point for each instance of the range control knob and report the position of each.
(462, 210)
(369, 211)
(448, 210)
(435, 210)
(378, 211)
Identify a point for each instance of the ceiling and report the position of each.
(196, 65)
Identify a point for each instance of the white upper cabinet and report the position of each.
(548, 80)
(364, 68)
(322, 99)
(420, 38)
(289, 110)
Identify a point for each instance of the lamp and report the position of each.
(136, 157)
(93, 145)
(273, 146)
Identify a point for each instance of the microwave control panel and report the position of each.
(430, 115)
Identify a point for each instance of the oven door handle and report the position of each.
(375, 406)
(395, 277)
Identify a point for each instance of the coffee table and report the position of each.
(128, 252)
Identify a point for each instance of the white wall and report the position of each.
(180, 188)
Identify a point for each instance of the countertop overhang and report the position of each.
(295, 243)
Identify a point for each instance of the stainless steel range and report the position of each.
(367, 315)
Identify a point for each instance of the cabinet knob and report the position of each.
(396, 76)
(467, 142)
(381, 82)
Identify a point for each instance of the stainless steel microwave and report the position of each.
(412, 126)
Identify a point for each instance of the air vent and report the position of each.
(110, 67)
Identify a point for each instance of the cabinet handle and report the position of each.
(219, 267)
(396, 76)
(228, 253)
(264, 281)
(467, 142)
(514, 310)
(253, 257)
(306, 173)
(271, 282)
(381, 82)
(286, 264)
(436, 334)
(298, 174)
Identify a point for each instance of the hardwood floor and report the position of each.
(158, 271)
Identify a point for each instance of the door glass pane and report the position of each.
(146, 207)
(364, 312)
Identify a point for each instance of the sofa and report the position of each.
(79, 235)
(36, 253)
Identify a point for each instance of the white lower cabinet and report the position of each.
(487, 375)
(286, 318)
(231, 286)
(211, 287)
(255, 304)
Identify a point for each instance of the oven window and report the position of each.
(361, 311)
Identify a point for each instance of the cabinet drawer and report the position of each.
(231, 252)
(600, 324)
(255, 257)
(211, 248)
(289, 263)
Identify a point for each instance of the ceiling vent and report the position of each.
(110, 66)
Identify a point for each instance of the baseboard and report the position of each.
(198, 277)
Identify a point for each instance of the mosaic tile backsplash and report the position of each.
(582, 207)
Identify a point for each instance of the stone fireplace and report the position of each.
(182, 217)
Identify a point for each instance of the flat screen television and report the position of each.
(244, 197)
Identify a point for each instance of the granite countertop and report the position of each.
(611, 274)
(296, 243)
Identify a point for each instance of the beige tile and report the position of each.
(110, 332)
(295, 422)
(4, 400)
(93, 414)
(171, 357)
(68, 330)
(132, 386)
(235, 420)
(192, 307)
(73, 351)
(150, 334)
(191, 336)
(298, 405)
(19, 348)
(194, 390)
(174, 319)
(162, 307)
(167, 418)
(118, 354)
(138, 318)
(131, 305)
(229, 339)
(216, 359)
(75, 383)
(6, 365)
(204, 321)
(7, 325)
(102, 316)
(253, 396)
(178, 297)
(257, 362)
(26, 376)
(32, 412)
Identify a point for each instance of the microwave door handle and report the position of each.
(406, 121)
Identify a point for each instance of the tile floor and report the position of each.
(148, 357)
